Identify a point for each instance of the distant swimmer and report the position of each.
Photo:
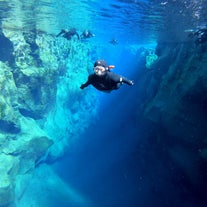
(68, 34)
(87, 34)
(200, 35)
(103, 79)
(114, 41)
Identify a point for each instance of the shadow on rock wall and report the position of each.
(173, 115)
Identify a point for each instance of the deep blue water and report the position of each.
(103, 164)
(112, 164)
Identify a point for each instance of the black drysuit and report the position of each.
(107, 82)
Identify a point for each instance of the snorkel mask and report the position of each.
(101, 66)
(99, 70)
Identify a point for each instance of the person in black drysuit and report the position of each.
(103, 79)
(87, 34)
(68, 34)
(200, 35)
(114, 41)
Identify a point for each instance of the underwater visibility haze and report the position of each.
(142, 145)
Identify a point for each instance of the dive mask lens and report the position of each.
(99, 70)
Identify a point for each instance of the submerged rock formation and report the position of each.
(39, 105)
(174, 109)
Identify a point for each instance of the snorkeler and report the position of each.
(87, 34)
(200, 35)
(113, 41)
(103, 79)
(68, 34)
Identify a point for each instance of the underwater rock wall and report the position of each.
(173, 110)
(75, 109)
(40, 103)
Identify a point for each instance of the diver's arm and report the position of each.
(125, 80)
(87, 83)
(60, 33)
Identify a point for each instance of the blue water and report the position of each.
(112, 164)
(103, 164)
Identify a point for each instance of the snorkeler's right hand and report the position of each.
(131, 83)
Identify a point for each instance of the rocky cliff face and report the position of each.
(174, 109)
(34, 84)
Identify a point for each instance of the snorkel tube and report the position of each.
(111, 66)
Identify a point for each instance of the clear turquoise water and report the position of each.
(139, 21)
(130, 21)
(104, 165)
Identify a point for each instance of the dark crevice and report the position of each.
(7, 49)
